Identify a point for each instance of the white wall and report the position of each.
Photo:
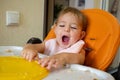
(31, 21)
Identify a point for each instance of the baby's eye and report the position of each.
(73, 27)
(61, 25)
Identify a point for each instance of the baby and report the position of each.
(67, 47)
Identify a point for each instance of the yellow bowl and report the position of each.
(16, 68)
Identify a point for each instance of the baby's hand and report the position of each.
(29, 54)
(52, 62)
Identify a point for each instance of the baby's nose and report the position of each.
(67, 29)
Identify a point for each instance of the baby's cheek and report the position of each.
(58, 34)
(77, 36)
(74, 40)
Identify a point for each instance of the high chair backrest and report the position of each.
(103, 38)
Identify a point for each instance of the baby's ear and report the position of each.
(83, 34)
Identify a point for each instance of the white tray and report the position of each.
(79, 72)
(70, 72)
(10, 50)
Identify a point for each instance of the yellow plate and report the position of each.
(16, 68)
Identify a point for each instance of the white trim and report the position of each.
(104, 4)
(89, 4)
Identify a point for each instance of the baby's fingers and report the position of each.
(31, 56)
(51, 64)
(28, 55)
(59, 64)
(44, 62)
(23, 55)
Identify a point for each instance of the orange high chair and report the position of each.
(103, 38)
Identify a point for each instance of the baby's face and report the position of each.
(68, 31)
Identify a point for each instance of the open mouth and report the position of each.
(65, 39)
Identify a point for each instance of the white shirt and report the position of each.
(51, 47)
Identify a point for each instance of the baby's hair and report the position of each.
(78, 14)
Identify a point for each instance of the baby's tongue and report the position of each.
(65, 39)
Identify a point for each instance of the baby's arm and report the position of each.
(30, 51)
(75, 58)
(61, 59)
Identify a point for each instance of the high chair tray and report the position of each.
(10, 50)
(70, 72)
(78, 72)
